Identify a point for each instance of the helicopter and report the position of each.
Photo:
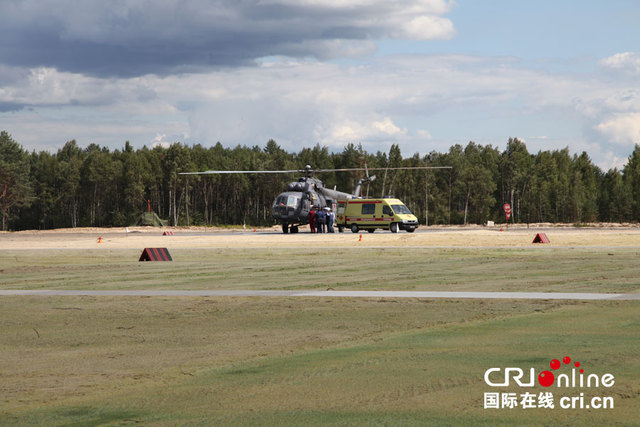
(291, 208)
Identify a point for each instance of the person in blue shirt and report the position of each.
(321, 221)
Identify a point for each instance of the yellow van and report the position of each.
(369, 214)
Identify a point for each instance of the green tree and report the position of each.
(177, 159)
(631, 173)
(15, 189)
(585, 189)
(516, 174)
(456, 195)
(562, 186)
(100, 176)
(395, 161)
(543, 176)
(70, 160)
(478, 182)
(44, 176)
(136, 170)
(94, 186)
(615, 198)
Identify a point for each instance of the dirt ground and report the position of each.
(600, 235)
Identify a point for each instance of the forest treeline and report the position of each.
(94, 186)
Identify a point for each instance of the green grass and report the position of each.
(309, 361)
(553, 270)
(235, 361)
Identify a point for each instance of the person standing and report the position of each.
(321, 220)
(312, 219)
(330, 220)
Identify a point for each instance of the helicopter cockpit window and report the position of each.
(292, 201)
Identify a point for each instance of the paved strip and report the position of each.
(326, 294)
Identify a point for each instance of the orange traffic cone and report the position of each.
(100, 239)
(360, 239)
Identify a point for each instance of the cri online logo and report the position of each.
(547, 378)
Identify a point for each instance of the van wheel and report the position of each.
(354, 228)
(371, 230)
(393, 227)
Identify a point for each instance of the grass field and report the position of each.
(309, 361)
(429, 269)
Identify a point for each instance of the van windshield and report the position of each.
(401, 210)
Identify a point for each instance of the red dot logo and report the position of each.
(546, 378)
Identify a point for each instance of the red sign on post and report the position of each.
(507, 212)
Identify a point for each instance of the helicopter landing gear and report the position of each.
(286, 229)
(354, 228)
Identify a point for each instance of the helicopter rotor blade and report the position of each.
(309, 170)
(382, 169)
(411, 168)
(212, 172)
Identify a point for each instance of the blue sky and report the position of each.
(544, 29)
(424, 74)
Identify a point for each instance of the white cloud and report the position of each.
(420, 102)
(626, 61)
(387, 127)
(160, 140)
(424, 134)
(426, 27)
(351, 131)
(622, 128)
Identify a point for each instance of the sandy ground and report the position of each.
(199, 237)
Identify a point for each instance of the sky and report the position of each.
(423, 74)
